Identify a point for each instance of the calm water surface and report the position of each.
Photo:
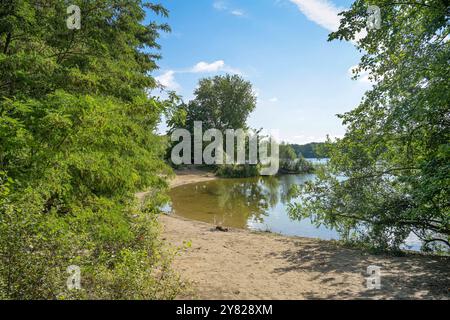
(259, 203)
(252, 203)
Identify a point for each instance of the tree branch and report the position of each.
(7, 43)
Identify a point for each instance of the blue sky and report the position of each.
(301, 80)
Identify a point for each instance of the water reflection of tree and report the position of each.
(233, 202)
(271, 186)
(286, 183)
(241, 200)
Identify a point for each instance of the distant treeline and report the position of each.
(310, 150)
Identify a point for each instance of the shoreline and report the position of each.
(188, 176)
(244, 264)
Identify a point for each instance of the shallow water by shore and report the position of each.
(241, 264)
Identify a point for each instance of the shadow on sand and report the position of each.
(412, 276)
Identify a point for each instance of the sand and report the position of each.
(241, 264)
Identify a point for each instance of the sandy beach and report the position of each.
(241, 264)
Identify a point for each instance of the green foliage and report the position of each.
(310, 150)
(389, 176)
(221, 102)
(300, 165)
(77, 142)
(291, 163)
(237, 171)
(287, 152)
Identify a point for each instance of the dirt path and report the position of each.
(241, 264)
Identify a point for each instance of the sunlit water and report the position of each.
(259, 203)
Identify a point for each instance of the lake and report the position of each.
(259, 203)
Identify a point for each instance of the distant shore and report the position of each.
(241, 264)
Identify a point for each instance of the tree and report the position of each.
(395, 155)
(287, 152)
(77, 141)
(221, 102)
(290, 162)
(310, 150)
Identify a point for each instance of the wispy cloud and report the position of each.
(325, 14)
(220, 5)
(238, 13)
(167, 79)
(274, 99)
(224, 6)
(322, 12)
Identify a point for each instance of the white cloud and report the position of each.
(220, 5)
(238, 13)
(223, 6)
(325, 14)
(274, 99)
(216, 66)
(208, 67)
(167, 80)
(322, 12)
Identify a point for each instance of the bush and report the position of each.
(299, 165)
(119, 253)
(76, 206)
